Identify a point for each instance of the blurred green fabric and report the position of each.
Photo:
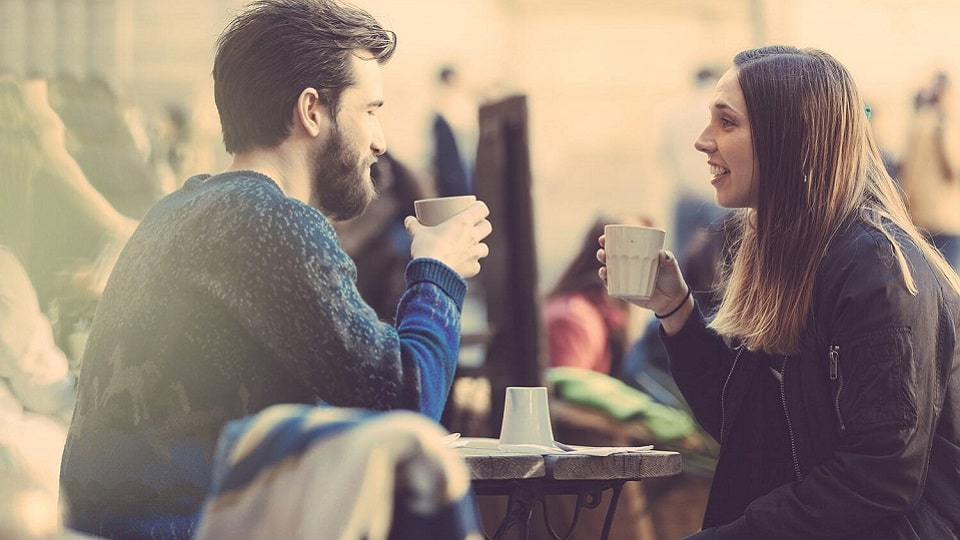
(620, 401)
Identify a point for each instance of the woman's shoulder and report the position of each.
(867, 259)
(859, 241)
(861, 252)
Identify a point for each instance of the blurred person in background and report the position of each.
(830, 373)
(234, 293)
(109, 140)
(37, 394)
(37, 387)
(454, 135)
(931, 166)
(42, 184)
(586, 327)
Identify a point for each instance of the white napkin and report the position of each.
(556, 448)
(609, 450)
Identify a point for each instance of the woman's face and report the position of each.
(728, 144)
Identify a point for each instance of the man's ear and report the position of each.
(310, 113)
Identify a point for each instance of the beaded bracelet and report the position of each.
(676, 309)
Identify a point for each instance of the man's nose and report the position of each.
(379, 143)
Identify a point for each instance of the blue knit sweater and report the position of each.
(231, 297)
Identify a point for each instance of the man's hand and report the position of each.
(457, 242)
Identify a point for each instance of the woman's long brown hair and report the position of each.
(818, 168)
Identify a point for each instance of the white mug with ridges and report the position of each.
(632, 253)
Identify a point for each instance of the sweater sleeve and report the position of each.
(281, 271)
(428, 324)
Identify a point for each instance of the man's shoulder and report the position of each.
(248, 185)
(239, 210)
(243, 195)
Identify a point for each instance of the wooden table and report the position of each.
(528, 478)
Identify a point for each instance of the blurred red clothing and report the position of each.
(581, 327)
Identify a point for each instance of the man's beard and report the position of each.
(342, 188)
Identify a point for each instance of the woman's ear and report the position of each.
(309, 113)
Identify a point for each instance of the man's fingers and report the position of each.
(484, 250)
(476, 212)
(483, 229)
(409, 223)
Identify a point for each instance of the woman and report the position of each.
(45, 196)
(831, 371)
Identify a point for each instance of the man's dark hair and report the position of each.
(274, 50)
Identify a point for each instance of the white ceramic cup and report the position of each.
(632, 260)
(435, 211)
(526, 417)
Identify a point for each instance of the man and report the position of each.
(234, 294)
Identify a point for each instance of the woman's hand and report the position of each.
(670, 301)
(457, 242)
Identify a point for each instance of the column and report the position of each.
(42, 34)
(71, 39)
(13, 37)
(110, 39)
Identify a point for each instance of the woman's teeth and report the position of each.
(718, 171)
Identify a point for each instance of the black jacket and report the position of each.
(871, 406)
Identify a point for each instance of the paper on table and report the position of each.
(558, 448)
(531, 449)
(450, 439)
(573, 450)
(609, 450)
(485, 443)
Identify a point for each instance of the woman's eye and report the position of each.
(725, 122)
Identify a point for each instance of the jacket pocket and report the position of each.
(873, 384)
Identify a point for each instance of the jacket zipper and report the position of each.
(786, 412)
(723, 392)
(835, 375)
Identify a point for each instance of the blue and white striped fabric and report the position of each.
(295, 471)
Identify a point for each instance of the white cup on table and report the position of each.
(526, 417)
